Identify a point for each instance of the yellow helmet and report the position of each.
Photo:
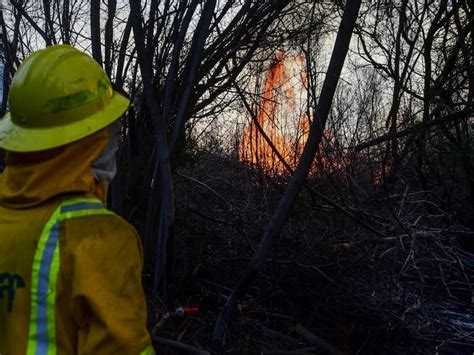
(57, 96)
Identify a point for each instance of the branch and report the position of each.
(296, 182)
(196, 52)
(315, 340)
(162, 181)
(30, 20)
(95, 30)
(290, 169)
(413, 129)
(178, 345)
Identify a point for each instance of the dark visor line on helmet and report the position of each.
(78, 99)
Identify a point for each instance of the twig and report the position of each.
(273, 333)
(230, 207)
(413, 129)
(443, 280)
(291, 352)
(315, 340)
(466, 277)
(178, 345)
(202, 215)
(223, 198)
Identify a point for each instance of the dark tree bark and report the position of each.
(48, 23)
(10, 55)
(8, 69)
(109, 36)
(120, 74)
(95, 31)
(197, 49)
(66, 22)
(173, 69)
(162, 184)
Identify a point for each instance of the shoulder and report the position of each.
(97, 223)
(107, 232)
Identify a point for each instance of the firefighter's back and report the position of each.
(20, 230)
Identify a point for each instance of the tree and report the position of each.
(320, 116)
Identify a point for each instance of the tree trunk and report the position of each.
(109, 36)
(296, 182)
(95, 31)
(48, 23)
(66, 22)
(197, 50)
(162, 183)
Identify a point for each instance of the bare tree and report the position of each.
(321, 113)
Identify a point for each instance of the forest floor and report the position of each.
(331, 284)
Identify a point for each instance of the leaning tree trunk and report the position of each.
(296, 182)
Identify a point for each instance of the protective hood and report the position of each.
(30, 179)
(105, 167)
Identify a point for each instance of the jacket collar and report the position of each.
(30, 179)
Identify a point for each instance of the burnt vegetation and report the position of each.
(300, 171)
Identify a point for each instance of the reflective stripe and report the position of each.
(81, 206)
(46, 264)
(45, 298)
(148, 351)
(104, 93)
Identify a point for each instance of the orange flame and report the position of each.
(286, 127)
(254, 147)
(380, 173)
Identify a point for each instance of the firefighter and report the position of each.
(70, 270)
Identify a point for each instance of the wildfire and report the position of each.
(281, 115)
(278, 99)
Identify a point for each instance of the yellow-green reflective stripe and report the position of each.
(32, 343)
(46, 264)
(79, 99)
(148, 351)
(51, 301)
(75, 200)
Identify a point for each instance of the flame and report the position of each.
(380, 173)
(286, 123)
(278, 98)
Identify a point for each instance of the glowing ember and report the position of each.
(380, 173)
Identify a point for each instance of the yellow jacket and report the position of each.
(70, 271)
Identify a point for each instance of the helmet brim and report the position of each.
(17, 138)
